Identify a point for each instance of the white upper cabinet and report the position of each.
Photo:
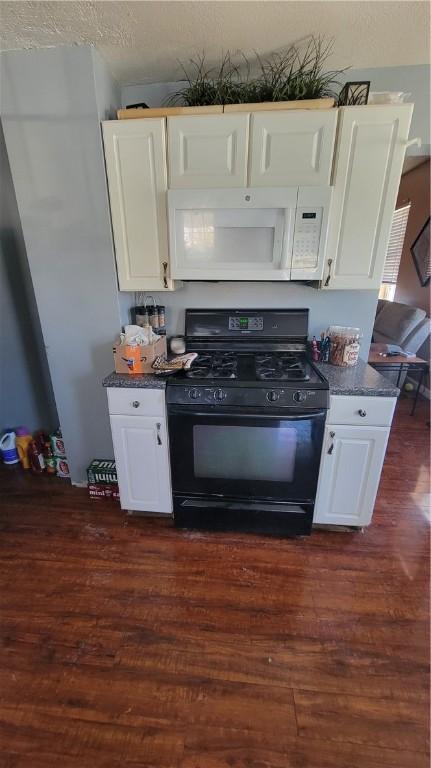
(208, 151)
(368, 164)
(292, 148)
(135, 154)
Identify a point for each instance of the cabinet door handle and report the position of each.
(412, 142)
(158, 428)
(165, 274)
(362, 413)
(136, 403)
(329, 272)
(331, 447)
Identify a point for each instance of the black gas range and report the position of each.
(246, 423)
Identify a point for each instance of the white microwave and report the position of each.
(249, 233)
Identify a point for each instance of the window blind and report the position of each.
(395, 244)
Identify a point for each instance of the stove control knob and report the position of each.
(219, 394)
(299, 397)
(194, 394)
(272, 396)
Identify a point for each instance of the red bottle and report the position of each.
(314, 350)
(35, 457)
(41, 438)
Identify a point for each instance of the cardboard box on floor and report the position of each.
(137, 359)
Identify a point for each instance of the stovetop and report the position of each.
(255, 369)
(251, 358)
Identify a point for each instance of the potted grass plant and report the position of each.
(296, 74)
(295, 78)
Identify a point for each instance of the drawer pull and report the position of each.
(331, 447)
(136, 403)
(159, 439)
(362, 413)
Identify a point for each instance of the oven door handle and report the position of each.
(243, 414)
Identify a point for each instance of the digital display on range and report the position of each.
(309, 215)
(246, 323)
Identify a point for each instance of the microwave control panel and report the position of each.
(306, 239)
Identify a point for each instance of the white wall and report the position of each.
(154, 95)
(414, 79)
(353, 308)
(51, 101)
(26, 396)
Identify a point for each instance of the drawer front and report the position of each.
(129, 401)
(361, 411)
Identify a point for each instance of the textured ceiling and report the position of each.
(142, 40)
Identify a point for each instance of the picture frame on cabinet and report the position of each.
(354, 93)
(420, 252)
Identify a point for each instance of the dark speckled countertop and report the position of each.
(138, 380)
(359, 380)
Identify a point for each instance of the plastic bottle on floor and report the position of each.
(8, 451)
(35, 457)
(23, 440)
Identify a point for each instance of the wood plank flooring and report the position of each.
(128, 644)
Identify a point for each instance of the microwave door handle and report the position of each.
(287, 240)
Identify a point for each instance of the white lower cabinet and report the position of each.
(352, 460)
(142, 460)
(141, 452)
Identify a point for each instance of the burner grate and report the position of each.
(219, 365)
(281, 367)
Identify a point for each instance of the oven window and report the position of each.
(245, 453)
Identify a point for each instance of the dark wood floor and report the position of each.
(126, 643)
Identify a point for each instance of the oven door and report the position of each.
(244, 454)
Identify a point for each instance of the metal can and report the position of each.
(162, 322)
(141, 317)
(153, 317)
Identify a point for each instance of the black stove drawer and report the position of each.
(243, 515)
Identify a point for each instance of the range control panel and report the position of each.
(245, 323)
(248, 396)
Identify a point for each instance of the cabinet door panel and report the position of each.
(208, 151)
(293, 148)
(135, 156)
(142, 460)
(368, 166)
(350, 469)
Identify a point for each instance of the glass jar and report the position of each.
(345, 345)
